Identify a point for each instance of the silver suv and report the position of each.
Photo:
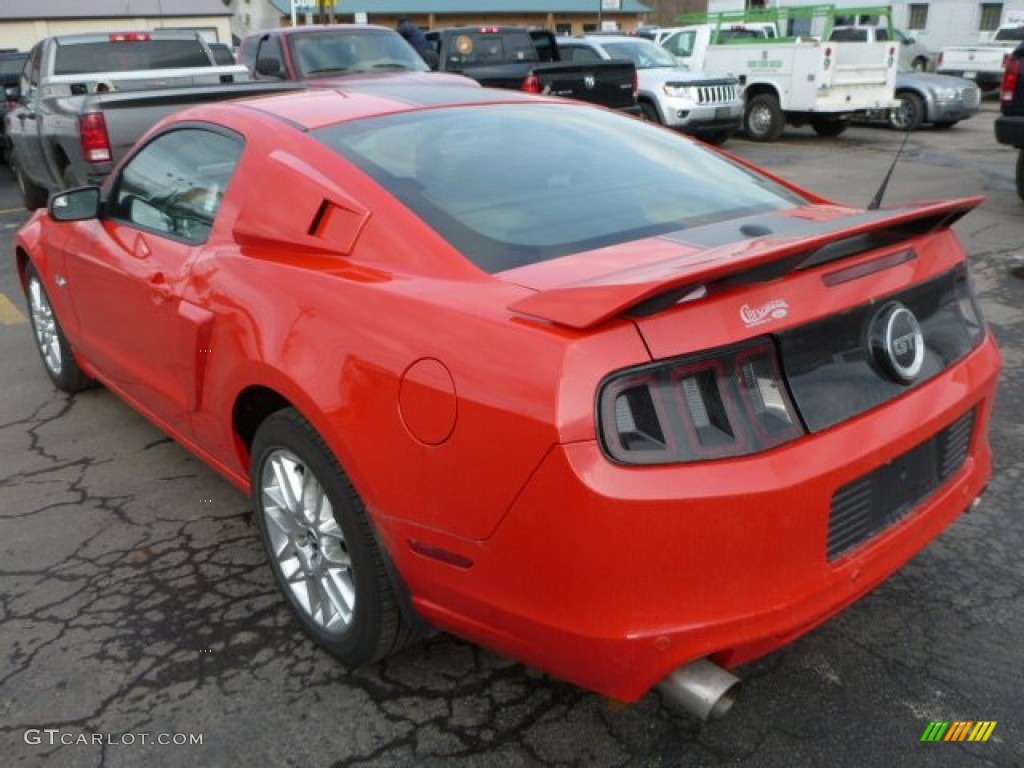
(710, 108)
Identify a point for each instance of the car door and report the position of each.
(126, 274)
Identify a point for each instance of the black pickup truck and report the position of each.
(1010, 124)
(529, 60)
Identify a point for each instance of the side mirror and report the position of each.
(268, 67)
(75, 204)
(909, 41)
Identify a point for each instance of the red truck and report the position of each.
(338, 54)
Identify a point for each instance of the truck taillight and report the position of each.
(938, 60)
(130, 37)
(1011, 74)
(531, 84)
(728, 402)
(95, 142)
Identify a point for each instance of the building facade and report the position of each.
(561, 16)
(24, 22)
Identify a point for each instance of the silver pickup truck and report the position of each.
(83, 101)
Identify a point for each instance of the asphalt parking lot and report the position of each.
(136, 607)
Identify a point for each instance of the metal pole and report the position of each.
(295, 21)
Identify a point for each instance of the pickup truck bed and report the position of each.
(529, 60)
(88, 97)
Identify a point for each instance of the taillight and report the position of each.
(95, 143)
(532, 84)
(1010, 76)
(938, 60)
(969, 309)
(729, 402)
(130, 37)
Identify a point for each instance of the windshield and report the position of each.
(509, 185)
(643, 53)
(359, 50)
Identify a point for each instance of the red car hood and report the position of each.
(391, 78)
(585, 289)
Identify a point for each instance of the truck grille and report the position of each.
(716, 94)
(870, 504)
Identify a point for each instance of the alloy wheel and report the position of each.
(307, 544)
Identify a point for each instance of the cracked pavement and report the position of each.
(134, 595)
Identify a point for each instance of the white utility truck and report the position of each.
(788, 68)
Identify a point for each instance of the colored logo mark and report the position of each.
(958, 730)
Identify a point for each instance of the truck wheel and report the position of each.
(34, 197)
(763, 120)
(824, 126)
(650, 112)
(1020, 174)
(908, 115)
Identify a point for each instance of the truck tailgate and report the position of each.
(608, 83)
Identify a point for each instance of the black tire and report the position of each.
(1020, 174)
(34, 196)
(909, 115)
(718, 138)
(824, 126)
(334, 556)
(57, 356)
(945, 125)
(763, 119)
(650, 112)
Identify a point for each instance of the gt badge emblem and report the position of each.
(897, 342)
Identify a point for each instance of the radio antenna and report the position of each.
(876, 201)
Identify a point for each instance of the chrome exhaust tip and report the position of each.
(701, 688)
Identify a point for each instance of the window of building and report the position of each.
(991, 13)
(918, 16)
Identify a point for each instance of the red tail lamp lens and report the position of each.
(729, 402)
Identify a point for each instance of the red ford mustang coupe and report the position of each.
(536, 374)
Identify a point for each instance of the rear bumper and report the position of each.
(1010, 130)
(612, 576)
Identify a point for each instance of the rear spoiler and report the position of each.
(653, 287)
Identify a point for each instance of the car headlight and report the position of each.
(678, 90)
(945, 94)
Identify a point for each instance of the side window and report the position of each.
(583, 55)
(175, 184)
(269, 50)
(681, 44)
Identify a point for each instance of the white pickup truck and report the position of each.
(983, 62)
(798, 79)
